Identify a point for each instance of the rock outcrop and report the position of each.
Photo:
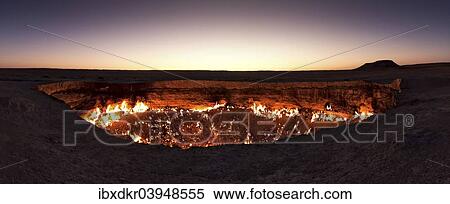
(379, 66)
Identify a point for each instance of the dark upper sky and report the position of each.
(232, 35)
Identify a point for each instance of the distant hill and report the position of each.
(379, 65)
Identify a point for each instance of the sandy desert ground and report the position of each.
(32, 152)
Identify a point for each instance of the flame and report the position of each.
(107, 117)
(124, 106)
(262, 110)
(205, 108)
(103, 116)
(140, 107)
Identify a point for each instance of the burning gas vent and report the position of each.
(185, 114)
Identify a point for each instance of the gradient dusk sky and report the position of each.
(221, 35)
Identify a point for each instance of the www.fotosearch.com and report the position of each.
(199, 194)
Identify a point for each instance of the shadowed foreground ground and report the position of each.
(32, 152)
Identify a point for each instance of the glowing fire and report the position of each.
(102, 117)
(109, 117)
(114, 111)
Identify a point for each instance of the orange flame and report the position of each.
(105, 117)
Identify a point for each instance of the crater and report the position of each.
(207, 113)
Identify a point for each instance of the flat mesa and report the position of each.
(185, 114)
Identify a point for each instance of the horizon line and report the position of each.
(212, 70)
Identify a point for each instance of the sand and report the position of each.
(31, 146)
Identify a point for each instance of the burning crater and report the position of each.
(185, 114)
